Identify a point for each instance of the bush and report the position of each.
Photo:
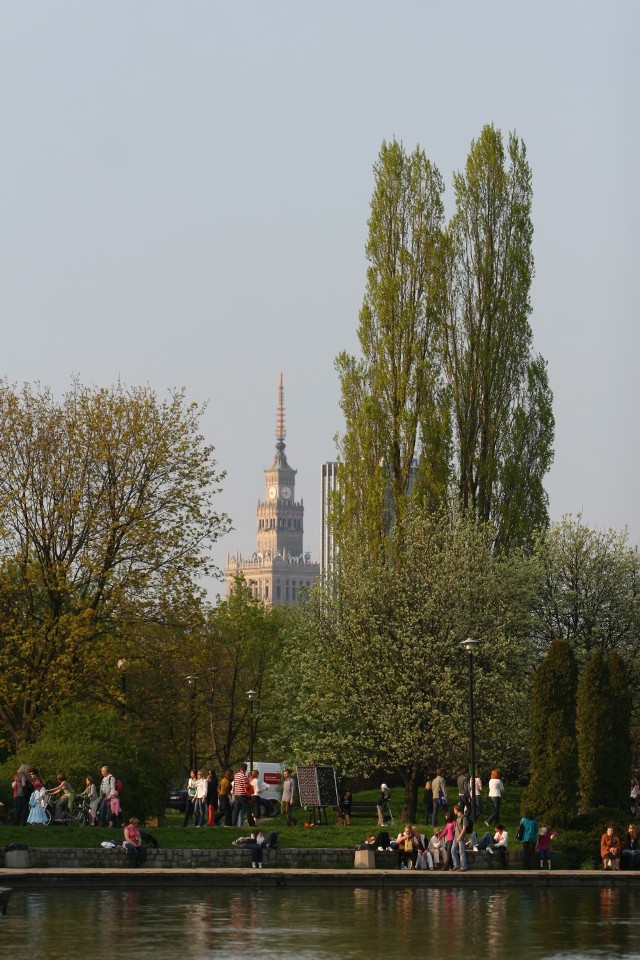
(79, 740)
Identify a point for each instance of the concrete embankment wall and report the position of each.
(99, 857)
(317, 858)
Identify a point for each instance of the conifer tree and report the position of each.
(603, 731)
(593, 730)
(620, 692)
(553, 787)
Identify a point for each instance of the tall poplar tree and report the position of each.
(394, 384)
(500, 398)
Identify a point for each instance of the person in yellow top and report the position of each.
(224, 801)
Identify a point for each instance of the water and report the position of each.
(316, 924)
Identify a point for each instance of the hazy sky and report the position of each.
(185, 189)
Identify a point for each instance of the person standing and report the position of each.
(36, 804)
(288, 796)
(240, 808)
(543, 848)
(439, 788)
(212, 797)
(382, 805)
(345, 807)
(529, 836)
(200, 806)
(224, 798)
(107, 789)
(478, 810)
(191, 797)
(22, 790)
(90, 795)
(496, 790)
(428, 801)
(463, 787)
(459, 848)
(258, 787)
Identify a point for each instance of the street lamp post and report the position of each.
(470, 645)
(191, 680)
(122, 667)
(252, 694)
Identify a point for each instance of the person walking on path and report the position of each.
(496, 790)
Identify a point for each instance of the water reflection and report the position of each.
(314, 924)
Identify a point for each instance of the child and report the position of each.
(345, 807)
(114, 806)
(544, 845)
(37, 803)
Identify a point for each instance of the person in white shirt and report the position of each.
(258, 787)
(200, 812)
(496, 789)
(496, 844)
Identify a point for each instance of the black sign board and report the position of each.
(317, 786)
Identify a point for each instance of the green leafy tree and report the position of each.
(591, 592)
(552, 792)
(376, 677)
(394, 384)
(501, 404)
(241, 652)
(106, 513)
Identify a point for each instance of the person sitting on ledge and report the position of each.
(610, 850)
(407, 849)
(630, 859)
(496, 844)
(132, 843)
(255, 842)
(369, 843)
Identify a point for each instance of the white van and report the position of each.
(271, 775)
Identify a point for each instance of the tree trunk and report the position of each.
(410, 805)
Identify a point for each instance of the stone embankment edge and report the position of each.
(34, 878)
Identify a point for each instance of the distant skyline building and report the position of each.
(279, 568)
(330, 482)
(330, 474)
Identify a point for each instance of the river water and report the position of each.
(316, 924)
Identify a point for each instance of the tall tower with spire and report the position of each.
(279, 569)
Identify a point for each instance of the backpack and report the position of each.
(118, 787)
(271, 840)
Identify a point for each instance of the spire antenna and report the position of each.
(280, 430)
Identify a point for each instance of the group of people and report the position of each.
(620, 855)
(238, 797)
(32, 799)
(469, 790)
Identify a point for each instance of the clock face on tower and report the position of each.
(286, 493)
(272, 493)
